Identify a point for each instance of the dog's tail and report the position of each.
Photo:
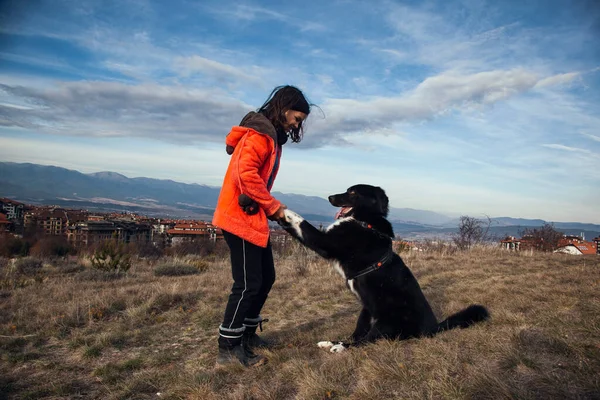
(465, 318)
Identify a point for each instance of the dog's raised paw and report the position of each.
(293, 220)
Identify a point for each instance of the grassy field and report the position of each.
(67, 332)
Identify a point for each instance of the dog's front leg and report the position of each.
(371, 336)
(308, 235)
(363, 325)
(377, 331)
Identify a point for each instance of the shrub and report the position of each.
(28, 265)
(51, 246)
(111, 256)
(198, 263)
(176, 269)
(11, 246)
(402, 247)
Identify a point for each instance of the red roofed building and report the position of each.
(577, 246)
(193, 230)
(512, 243)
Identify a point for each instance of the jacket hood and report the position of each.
(260, 124)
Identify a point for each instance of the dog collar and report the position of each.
(387, 257)
(369, 226)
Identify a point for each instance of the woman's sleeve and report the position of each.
(255, 151)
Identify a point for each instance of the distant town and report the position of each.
(83, 229)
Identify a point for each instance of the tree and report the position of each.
(471, 231)
(545, 238)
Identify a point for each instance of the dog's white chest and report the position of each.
(339, 269)
(338, 222)
(352, 289)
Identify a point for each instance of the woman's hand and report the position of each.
(278, 215)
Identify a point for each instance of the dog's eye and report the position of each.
(352, 193)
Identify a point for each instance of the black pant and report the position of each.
(253, 274)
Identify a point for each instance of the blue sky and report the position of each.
(460, 107)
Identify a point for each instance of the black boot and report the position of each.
(251, 340)
(234, 350)
(238, 354)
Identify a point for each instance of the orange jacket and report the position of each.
(255, 150)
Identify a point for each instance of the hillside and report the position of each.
(71, 334)
(111, 191)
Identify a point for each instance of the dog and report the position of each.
(360, 242)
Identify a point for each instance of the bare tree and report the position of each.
(471, 231)
(545, 238)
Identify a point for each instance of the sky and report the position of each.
(460, 107)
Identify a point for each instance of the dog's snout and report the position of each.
(331, 198)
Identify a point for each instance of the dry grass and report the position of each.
(65, 334)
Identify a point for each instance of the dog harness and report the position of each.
(387, 257)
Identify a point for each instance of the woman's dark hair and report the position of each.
(281, 99)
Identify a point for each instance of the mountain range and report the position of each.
(111, 191)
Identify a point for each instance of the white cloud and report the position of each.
(179, 113)
(432, 97)
(240, 13)
(463, 40)
(218, 71)
(168, 113)
(595, 138)
(559, 79)
(566, 148)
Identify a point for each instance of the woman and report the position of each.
(245, 203)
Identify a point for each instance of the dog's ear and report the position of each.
(382, 201)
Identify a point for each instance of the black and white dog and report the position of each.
(360, 241)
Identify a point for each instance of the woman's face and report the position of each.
(293, 119)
